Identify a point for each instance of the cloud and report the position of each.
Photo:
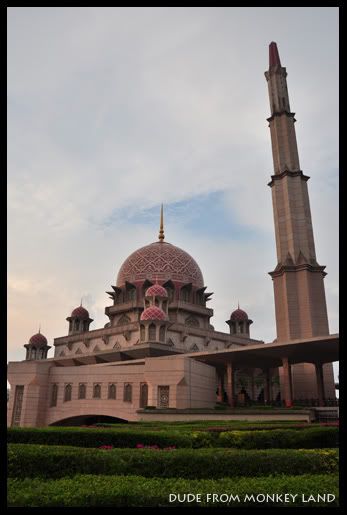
(112, 111)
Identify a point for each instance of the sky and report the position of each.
(112, 111)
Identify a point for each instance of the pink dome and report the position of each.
(80, 312)
(153, 313)
(156, 290)
(163, 261)
(38, 340)
(238, 315)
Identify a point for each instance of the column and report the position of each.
(253, 387)
(287, 383)
(267, 385)
(320, 383)
(220, 374)
(230, 384)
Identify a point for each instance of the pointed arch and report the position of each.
(192, 321)
(123, 320)
(67, 392)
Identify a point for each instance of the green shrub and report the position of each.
(316, 437)
(58, 461)
(312, 438)
(86, 437)
(115, 491)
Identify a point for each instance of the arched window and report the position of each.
(170, 288)
(142, 332)
(82, 391)
(185, 294)
(164, 305)
(151, 332)
(143, 395)
(67, 392)
(131, 294)
(128, 392)
(162, 333)
(112, 391)
(156, 302)
(97, 391)
(54, 395)
(200, 299)
(77, 325)
(85, 325)
(33, 353)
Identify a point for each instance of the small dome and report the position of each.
(38, 340)
(80, 313)
(238, 315)
(153, 313)
(156, 290)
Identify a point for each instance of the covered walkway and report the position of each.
(317, 350)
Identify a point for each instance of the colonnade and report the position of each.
(287, 392)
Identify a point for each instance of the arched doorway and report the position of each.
(88, 420)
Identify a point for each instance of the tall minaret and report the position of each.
(300, 304)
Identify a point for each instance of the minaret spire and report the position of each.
(274, 58)
(161, 230)
(281, 122)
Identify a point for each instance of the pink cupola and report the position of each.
(37, 347)
(79, 320)
(239, 323)
(154, 319)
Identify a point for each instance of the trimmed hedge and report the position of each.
(58, 461)
(217, 426)
(310, 438)
(83, 437)
(115, 491)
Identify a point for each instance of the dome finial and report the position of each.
(161, 230)
(40, 328)
(81, 301)
(238, 305)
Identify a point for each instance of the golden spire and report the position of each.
(161, 230)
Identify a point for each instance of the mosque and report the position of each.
(159, 352)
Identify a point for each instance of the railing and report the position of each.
(302, 403)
